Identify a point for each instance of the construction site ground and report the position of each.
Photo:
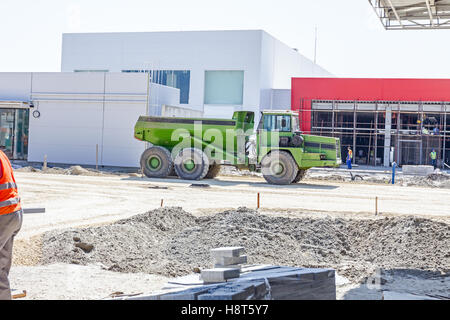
(47, 265)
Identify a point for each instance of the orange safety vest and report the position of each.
(9, 196)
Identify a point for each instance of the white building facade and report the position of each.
(217, 72)
(86, 113)
(77, 118)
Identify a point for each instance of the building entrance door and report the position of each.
(7, 131)
(14, 133)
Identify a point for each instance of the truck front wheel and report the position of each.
(156, 162)
(191, 164)
(279, 167)
(300, 175)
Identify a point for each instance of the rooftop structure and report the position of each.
(413, 14)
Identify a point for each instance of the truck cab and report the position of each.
(282, 128)
(283, 150)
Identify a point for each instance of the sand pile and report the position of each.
(171, 242)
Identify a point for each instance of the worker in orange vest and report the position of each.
(10, 222)
(349, 158)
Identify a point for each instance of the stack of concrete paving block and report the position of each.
(219, 274)
(227, 264)
(226, 282)
(292, 283)
(258, 283)
(228, 257)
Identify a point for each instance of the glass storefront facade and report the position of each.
(380, 133)
(14, 124)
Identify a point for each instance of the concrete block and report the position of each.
(417, 170)
(227, 261)
(234, 266)
(227, 252)
(219, 274)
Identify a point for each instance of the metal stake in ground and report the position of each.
(257, 201)
(96, 157)
(376, 205)
(162, 201)
(44, 165)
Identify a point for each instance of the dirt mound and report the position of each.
(171, 242)
(327, 176)
(438, 177)
(77, 170)
(434, 180)
(27, 169)
(73, 170)
(233, 171)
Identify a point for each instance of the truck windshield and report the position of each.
(280, 123)
(295, 124)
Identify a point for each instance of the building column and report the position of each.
(387, 136)
(354, 132)
(445, 137)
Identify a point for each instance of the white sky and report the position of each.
(351, 40)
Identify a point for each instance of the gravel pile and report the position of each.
(171, 242)
(434, 180)
(233, 171)
(73, 170)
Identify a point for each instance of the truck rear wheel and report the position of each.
(156, 162)
(191, 164)
(300, 175)
(279, 167)
(213, 171)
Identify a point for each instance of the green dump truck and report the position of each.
(195, 148)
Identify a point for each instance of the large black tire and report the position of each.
(300, 175)
(172, 172)
(213, 171)
(279, 167)
(191, 164)
(156, 162)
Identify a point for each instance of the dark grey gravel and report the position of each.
(171, 242)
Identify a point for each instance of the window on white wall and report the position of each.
(224, 87)
(179, 79)
(90, 70)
